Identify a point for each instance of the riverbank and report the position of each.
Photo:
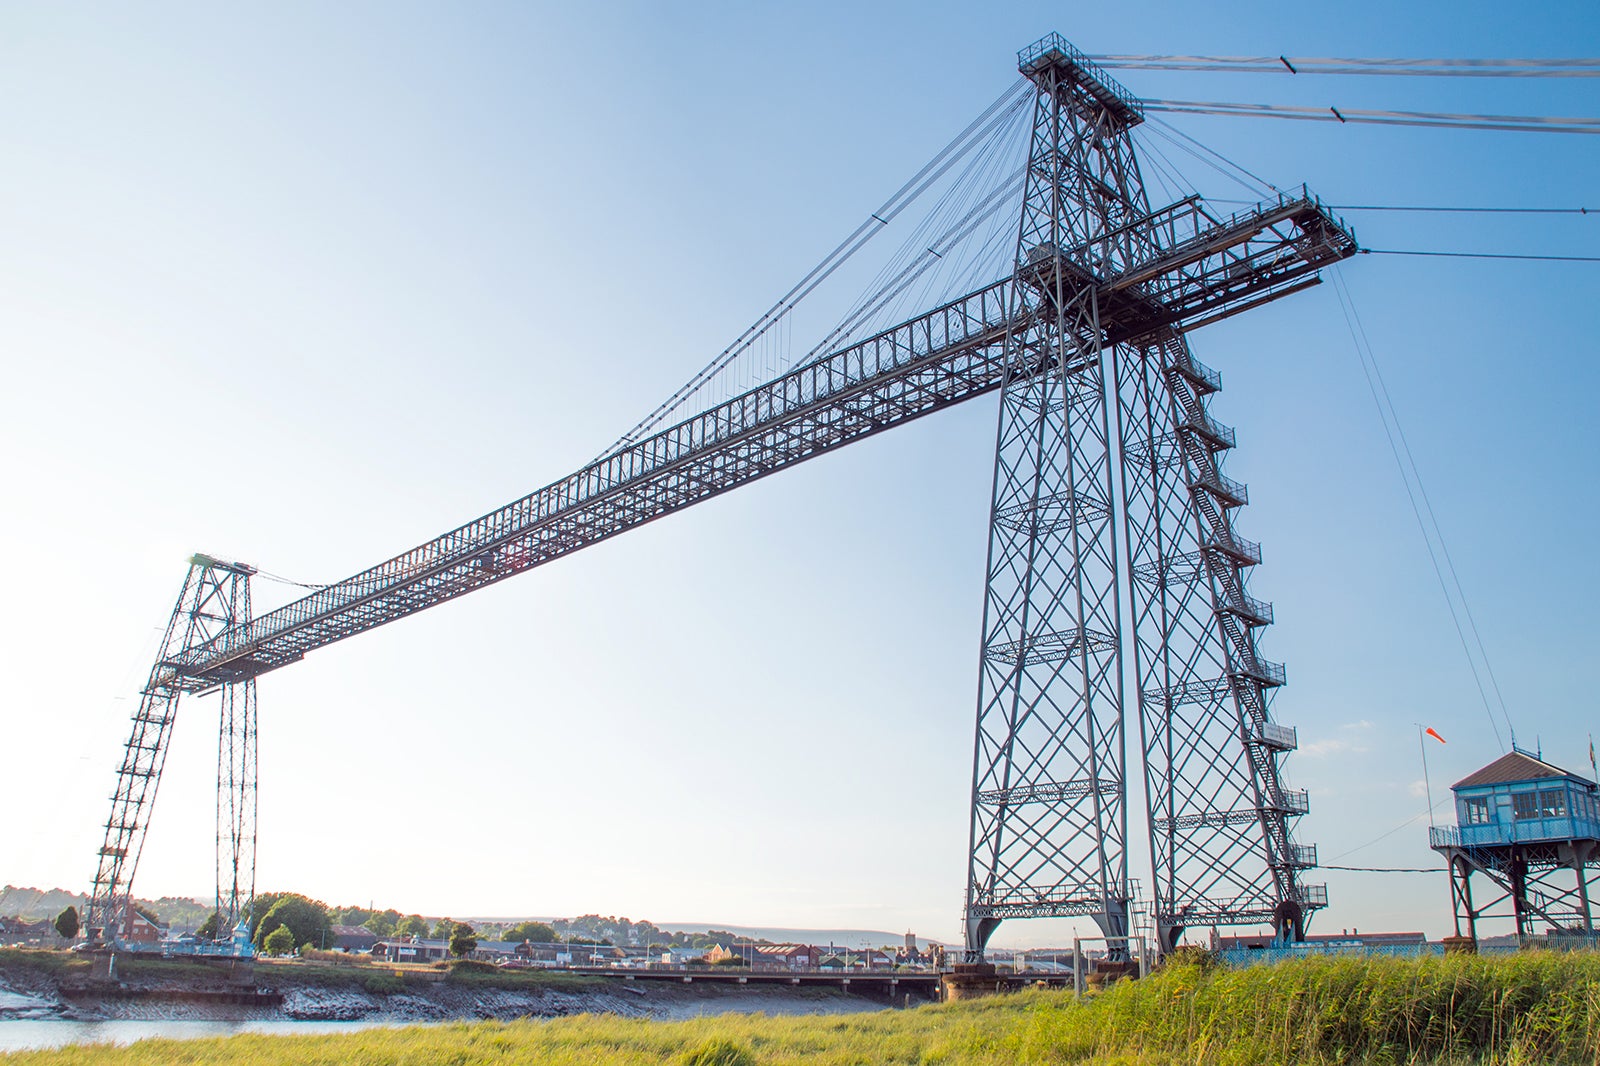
(42, 986)
(1538, 1007)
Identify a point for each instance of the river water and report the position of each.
(30, 1034)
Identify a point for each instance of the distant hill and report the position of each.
(186, 915)
(32, 904)
(845, 938)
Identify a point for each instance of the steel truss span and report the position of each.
(1116, 593)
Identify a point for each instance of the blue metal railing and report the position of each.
(1518, 831)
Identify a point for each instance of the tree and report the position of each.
(279, 942)
(441, 931)
(67, 923)
(462, 940)
(412, 925)
(212, 927)
(355, 916)
(538, 932)
(306, 919)
(380, 924)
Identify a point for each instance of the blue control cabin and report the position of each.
(1520, 797)
(1532, 830)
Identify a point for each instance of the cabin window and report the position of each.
(1475, 810)
(1553, 803)
(1525, 805)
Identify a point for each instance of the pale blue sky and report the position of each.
(303, 285)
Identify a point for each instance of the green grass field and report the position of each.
(1534, 1008)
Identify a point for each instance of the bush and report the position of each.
(385, 984)
(718, 1052)
(279, 942)
(1193, 955)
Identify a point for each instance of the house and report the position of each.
(142, 927)
(351, 938)
(18, 931)
(776, 958)
(496, 950)
(412, 950)
(544, 953)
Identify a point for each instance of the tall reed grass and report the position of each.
(1535, 1008)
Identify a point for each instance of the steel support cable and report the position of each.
(885, 295)
(1468, 210)
(1386, 414)
(1443, 209)
(986, 200)
(879, 220)
(874, 223)
(1389, 869)
(1436, 68)
(1483, 255)
(959, 192)
(869, 228)
(1415, 818)
(281, 580)
(1149, 144)
(1427, 503)
(1159, 126)
(914, 252)
(1435, 119)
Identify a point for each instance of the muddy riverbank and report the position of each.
(44, 988)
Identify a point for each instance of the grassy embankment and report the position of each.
(1535, 1008)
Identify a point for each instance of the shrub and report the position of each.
(384, 984)
(1193, 955)
(279, 942)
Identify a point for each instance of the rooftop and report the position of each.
(1514, 766)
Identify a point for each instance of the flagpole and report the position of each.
(1422, 745)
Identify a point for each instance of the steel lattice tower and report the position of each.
(1115, 578)
(212, 609)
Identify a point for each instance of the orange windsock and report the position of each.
(1434, 735)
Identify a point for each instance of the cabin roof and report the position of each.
(1514, 766)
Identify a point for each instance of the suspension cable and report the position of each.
(1435, 119)
(1436, 68)
(1409, 473)
(993, 116)
(1440, 208)
(1483, 255)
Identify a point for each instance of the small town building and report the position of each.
(351, 938)
(139, 927)
(773, 958)
(411, 950)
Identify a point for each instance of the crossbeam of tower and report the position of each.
(1092, 321)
